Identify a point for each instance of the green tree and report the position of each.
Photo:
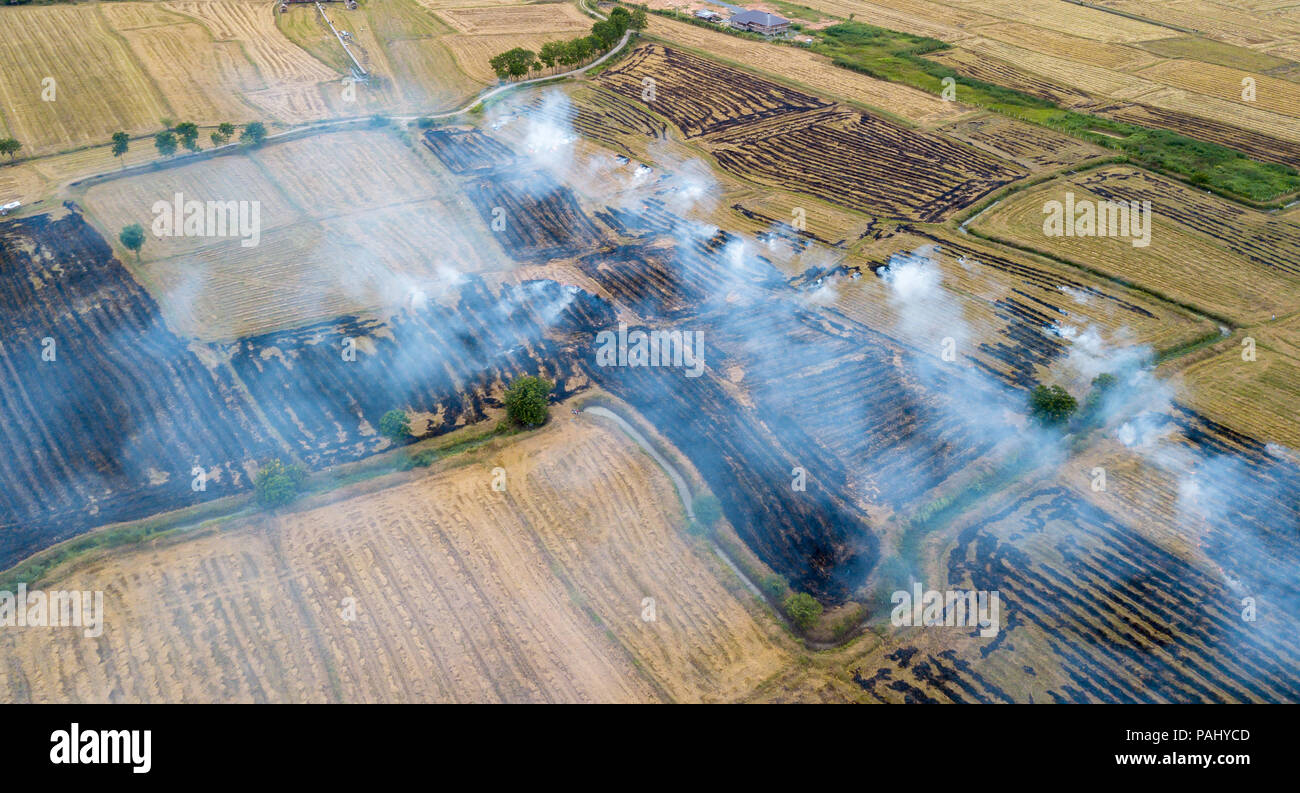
(10, 146)
(1052, 404)
(605, 33)
(526, 400)
(513, 63)
(568, 54)
(222, 134)
(775, 586)
(278, 484)
(803, 610)
(395, 426)
(132, 238)
(165, 142)
(620, 19)
(522, 62)
(583, 48)
(121, 141)
(254, 133)
(638, 20)
(550, 53)
(188, 134)
(500, 64)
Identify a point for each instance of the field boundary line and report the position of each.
(684, 493)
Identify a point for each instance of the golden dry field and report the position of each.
(331, 208)
(1075, 20)
(543, 18)
(1257, 396)
(1241, 26)
(461, 593)
(99, 86)
(1204, 252)
(1075, 48)
(1276, 96)
(836, 236)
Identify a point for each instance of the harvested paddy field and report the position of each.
(1205, 252)
(98, 85)
(764, 132)
(460, 593)
(1257, 397)
(807, 70)
(860, 404)
(540, 18)
(328, 206)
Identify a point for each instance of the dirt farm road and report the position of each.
(317, 126)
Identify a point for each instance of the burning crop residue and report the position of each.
(108, 415)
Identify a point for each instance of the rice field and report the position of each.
(1273, 95)
(542, 18)
(810, 71)
(98, 84)
(348, 223)
(436, 589)
(1204, 251)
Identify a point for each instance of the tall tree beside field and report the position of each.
(638, 20)
(165, 142)
(395, 426)
(568, 53)
(1052, 404)
(132, 238)
(121, 141)
(513, 63)
(188, 134)
(583, 48)
(620, 19)
(254, 133)
(606, 33)
(10, 146)
(803, 610)
(526, 400)
(550, 53)
(223, 133)
(278, 484)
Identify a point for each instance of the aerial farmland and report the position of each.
(839, 351)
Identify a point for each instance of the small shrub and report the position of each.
(803, 610)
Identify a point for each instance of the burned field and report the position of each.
(1096, 612)
(324, 387)
(107, 413)
(781, 137)
(537, 218)
(847, 452)
(602, 116)
(467, 150)
(118, 421)
(702, 97)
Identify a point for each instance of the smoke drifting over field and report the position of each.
(902, 419)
